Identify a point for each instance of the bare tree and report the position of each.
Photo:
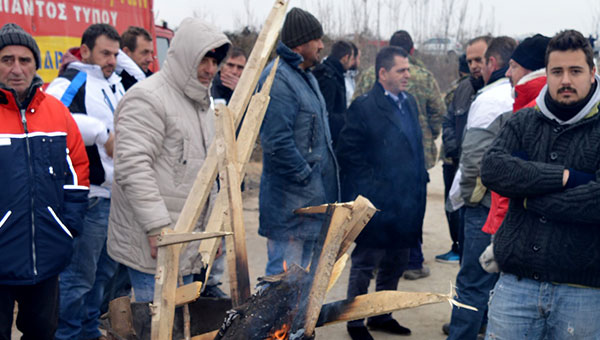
(323, 13)
(393, 9)
(446, 16)
(355, 16)
(462, 16)
(421, 19)
(595, 24)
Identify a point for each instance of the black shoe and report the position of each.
(359, 333)
(446, 329)
(389, 326)
(213, 291)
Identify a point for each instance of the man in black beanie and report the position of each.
(527, 57)
(299, 166)
(527, 74)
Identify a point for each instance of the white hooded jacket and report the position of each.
(164, 127)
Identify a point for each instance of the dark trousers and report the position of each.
(454, 218)
(37, 318)
(118, 286)
(473, 284)
(415, 258)
(390, 264)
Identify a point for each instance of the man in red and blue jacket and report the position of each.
(44, 183)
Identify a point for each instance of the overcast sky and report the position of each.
(506, 17)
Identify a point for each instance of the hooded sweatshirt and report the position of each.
(164, 127)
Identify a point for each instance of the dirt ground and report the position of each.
(425, 321)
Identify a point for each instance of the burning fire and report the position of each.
(284, 266)
(280, 334)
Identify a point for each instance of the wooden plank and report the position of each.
(382, 302)
(257, 60)
(237, 257)
(253, 119)
(321, 209)
(206, 336)
(362, 212)
(338, 227)
(187, 293)
(165, 285)
(245, 144)
(239, 238)
(168, 239)
(168, 261)
(208, 248)
(364, 306)
(337, 270)
(241, 95)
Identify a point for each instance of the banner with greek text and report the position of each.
(58, 25)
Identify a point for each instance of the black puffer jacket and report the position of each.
(551, 233)
(455, 119)
(330, 75)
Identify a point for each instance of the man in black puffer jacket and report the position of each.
(330, 75)
(547, 161)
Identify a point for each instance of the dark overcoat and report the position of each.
(299, 166)
(381, 157)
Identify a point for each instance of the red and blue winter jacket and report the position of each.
(43, 187)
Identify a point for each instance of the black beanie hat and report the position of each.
(218, 53)
(300, 27)
(13, 34)
(530, 53)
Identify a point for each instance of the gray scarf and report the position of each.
(579, 116)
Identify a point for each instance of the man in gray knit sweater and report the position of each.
(547, 161)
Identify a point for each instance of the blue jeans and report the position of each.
(290, 251)
(218, 268)
(143, 284)
(473, 284)
(82, 282)
(390, 264)
(529, 309)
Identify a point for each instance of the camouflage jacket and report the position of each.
(425, 89)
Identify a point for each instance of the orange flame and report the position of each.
(284, 266)
(280, 334)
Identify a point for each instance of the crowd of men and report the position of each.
(98, 164)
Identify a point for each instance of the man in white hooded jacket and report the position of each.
(164, 127)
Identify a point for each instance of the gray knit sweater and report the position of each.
(550, 233)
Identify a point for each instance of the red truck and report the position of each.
(57, 25)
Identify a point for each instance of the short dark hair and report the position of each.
(402, 39)
(235, 52)
(354, 49)
(485, 38)
(571, 40)
(94, 31)
(340, 49)
(502, 49)
(385, 58)
(129, 37)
